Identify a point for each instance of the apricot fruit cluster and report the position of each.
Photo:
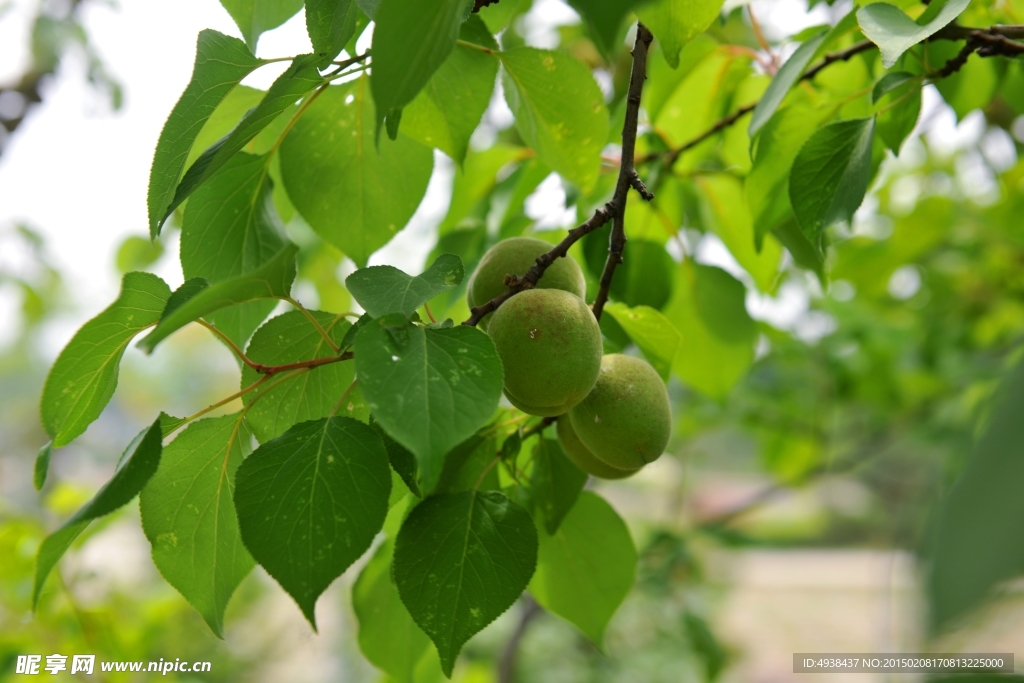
(614, 409)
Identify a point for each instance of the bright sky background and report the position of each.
(78, 172)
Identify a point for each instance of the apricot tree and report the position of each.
(346, 425)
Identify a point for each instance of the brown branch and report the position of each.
(628, 177)
(507, 663)
(528, 279)
(314, 363)
(987, 42)
(614, 210)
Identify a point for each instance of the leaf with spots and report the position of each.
(460, 561)
(559, 110)
(311, 501)
(448, 109)
(430, 389)
(189, 518)
(354, 195)
(84, 376)
(385, 289)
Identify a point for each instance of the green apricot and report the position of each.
(626, 420)
(550, 346)
(581, 455)
(515, 256)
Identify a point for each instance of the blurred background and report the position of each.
(791, 515)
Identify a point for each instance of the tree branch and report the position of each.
(987, 42)
(528, 279)
(613, 210)
(507, 663)
(628, 177)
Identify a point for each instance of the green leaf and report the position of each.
(559, 110)
(899, 105)
(141, 461)
(894, 32)
(311, 501)
(981, 520)
(706, 645)
(674, 23)
(402, 461)
(767, 183)
(889, 82)
(728, 216)
(651, 331)
(84, 376)
(291, 338)
(253, 17)
(300, 78)
(355, 196)
(221, 62)
(42, 466)
(586, 569)
(644, 278)
(830, 175)
(429, 388)
(465, 464)
(410, 41)
(604, 19)
(235, 105)
(273, 280)
(388, 637)
(230, 227)
(476, 179)
(189, 517)
(717, 344)
(137, 253)
(330, 24)
(385, 289)
(706, 94)
(449, 107)
(788, 76)
(556, 483)
(460, 561)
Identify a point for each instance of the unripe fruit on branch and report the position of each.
(515, 256)
(626, 420)
(550, 346)
(581, 455)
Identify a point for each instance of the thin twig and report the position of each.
(613, 210)
(312, 319)
(539, 427)
(528, 279)
(270, 370)
(996, 40)
(228, 342)
(628, 177)
(507, 663)
(773, 59)
(225, 401)
(344, 397)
